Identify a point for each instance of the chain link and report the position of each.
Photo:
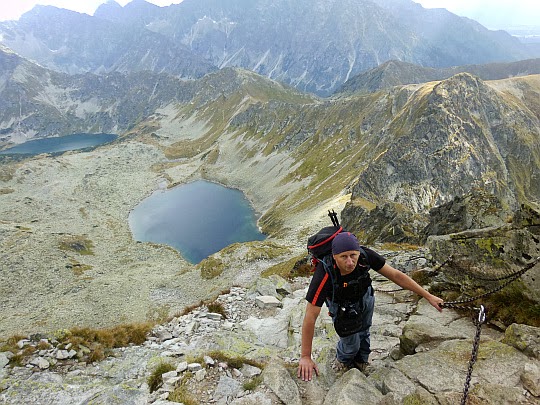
(474, 354)
(509, 278)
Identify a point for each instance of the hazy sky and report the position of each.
(491, 13)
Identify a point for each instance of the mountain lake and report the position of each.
(197, 219)
(59, 144)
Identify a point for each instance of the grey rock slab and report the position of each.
(278, 379)
(227, 387)
(4, 361)
(352, 388)
(530, 377)
(257, 398)
(267, 301)
(428, 326)
(445, 368)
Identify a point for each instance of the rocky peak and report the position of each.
(457, 135)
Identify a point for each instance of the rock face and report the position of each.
(482, 258)
(418, 355)
(426, 166)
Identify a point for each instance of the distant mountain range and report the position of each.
(396, 73)
(313, 45)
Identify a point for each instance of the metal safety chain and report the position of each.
(509, 279)
(474, 354)
(482, 318)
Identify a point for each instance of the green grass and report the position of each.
(211, 268)
(252, 383)
(181, 392)
(91, 344)
(155, 380)
(78, 244)
(295, 267)
(217, 308)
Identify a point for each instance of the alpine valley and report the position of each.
(419, 127)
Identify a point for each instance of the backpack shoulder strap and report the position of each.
(328, 265)
(365, 261)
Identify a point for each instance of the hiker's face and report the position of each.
(346, 261)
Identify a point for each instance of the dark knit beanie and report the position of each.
(343, 242)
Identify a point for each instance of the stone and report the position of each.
(192, 327)
(236, 373)
(214, 316)
(257, 398)
(40, 362)
(164, 335)
(250, 371)
(266, 288)
(395, 381)
(440, 366)
(228, 325)
(4, 361)
(200, 374)
(226, 387)
(269, 331)
(62, 355)
(282, 286)
(169, 374)
(429, 327)
(525, 338)
(209, 361)
(194, 366)
(530, 377)
(352, 388)
(267, 301)
(277, 378)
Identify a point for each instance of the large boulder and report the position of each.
(476, 210)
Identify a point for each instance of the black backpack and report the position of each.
(319, 247)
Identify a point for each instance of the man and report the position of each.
(349, 263)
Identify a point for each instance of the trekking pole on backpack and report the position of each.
(333, 216)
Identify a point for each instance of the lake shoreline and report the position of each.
(88, 196)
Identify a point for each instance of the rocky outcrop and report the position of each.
(418, 355)
(453, 148)
(486, 258)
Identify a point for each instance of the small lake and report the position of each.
(197, 219)
(59, 144)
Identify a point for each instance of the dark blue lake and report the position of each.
(197, 219)
(59, 144)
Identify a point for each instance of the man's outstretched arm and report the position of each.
(408, 283)
(306, 365)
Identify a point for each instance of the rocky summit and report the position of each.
(247, 353)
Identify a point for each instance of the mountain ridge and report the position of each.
(268, 119)
(314, 47)
(397, 73)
